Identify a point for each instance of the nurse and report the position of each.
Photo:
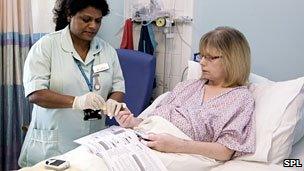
(66, 72)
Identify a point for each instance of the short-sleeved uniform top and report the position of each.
(51, 65)
(226, 118)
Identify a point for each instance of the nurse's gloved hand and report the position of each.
(113, 107)
(89, 101)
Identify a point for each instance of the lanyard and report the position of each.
(89, 82)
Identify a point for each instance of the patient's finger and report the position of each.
(122, 113)
(128, 119)
(150, 144)
(152, 136)
(124, 118)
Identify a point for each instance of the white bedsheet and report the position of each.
(81, 159)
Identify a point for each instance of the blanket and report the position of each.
(82, 159)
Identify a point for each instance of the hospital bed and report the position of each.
(279, 117)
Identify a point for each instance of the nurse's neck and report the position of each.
(81, 46)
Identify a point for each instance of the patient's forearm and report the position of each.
(212, 150)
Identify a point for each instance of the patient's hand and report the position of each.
(165, 143)
(126, 119)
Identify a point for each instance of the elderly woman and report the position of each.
(216, 111)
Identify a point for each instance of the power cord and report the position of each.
(184, 71)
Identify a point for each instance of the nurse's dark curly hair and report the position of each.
(65, 8)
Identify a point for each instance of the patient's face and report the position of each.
(213, 69)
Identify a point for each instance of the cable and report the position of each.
(178, 32)
(171, 57)
(183, 40)
(181, 37)
(174, 6)
(184, 73)
(165, 60)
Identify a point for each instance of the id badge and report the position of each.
(100, 67)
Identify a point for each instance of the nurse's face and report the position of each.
(85, 24)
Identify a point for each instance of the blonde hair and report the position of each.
(235, 51)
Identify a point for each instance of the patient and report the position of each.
(216, 111)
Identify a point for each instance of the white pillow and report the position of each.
(253, 78)
(299, 130)
(194, 70)
(284, 136)
(279, 122)
(276, 116)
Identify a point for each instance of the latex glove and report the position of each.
(113, 107)
(89, 101)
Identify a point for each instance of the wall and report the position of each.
(43, 19)
(113, 23)
(171, 54)
(273, 28)
(42, 16)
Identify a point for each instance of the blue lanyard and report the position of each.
(89, 82)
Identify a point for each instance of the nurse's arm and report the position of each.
(118, 96)
(50, 99)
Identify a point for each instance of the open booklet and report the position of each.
(121, 150)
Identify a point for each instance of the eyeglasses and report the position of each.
(198, 57)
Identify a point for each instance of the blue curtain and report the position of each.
(15, 42)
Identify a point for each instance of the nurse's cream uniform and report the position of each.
(51, 64)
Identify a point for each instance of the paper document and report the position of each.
(121, 150)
